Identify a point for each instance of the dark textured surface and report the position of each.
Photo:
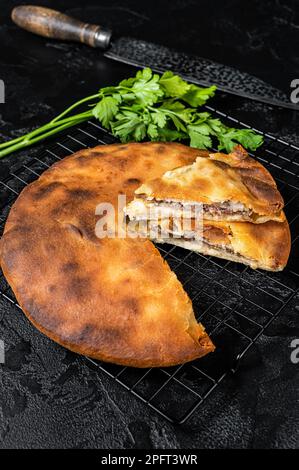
(49, 397)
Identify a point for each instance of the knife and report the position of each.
(56, 25)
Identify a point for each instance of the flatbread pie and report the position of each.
(265, 246)
(111, 299)
(231, 187)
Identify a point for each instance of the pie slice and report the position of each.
(231, 187)
(265, 246)
(112, 299)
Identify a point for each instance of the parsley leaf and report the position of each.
(177, 109)
(246, 137)
(199, 136)
(173, 85)
(105, 110)
(152, 131)
(128, 82)
(139, 132)
(144, 75)
(170, 135)
(159, 118)
(146, 87)
(166, 108)
(126, 126)
(197, 96)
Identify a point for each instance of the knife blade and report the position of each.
(197, 70)
(204, 72)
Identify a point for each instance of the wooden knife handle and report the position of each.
(54, 24)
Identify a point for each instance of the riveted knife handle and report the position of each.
(56, 25)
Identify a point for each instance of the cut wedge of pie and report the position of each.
(226, 206)
(231, 187)
(265, 246)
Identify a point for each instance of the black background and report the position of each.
(48, 396)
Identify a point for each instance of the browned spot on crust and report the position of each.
(51, 247)
(148, 165)
(83, 335)
(50, 322)
(121, 163)
(201, 183)
(79, 287)
(131, 305)
(70, 267)
(59, 208)
(24, 230)
(81, 194)
(263, 191)
(95, 154)
(83, 160)
(87, 225)
(90, 334)
(222, 165)
(46, 190)
(8, 258)
(257, 173)
(111, 335)
(161, 148)
(241, 154)
(133, 181)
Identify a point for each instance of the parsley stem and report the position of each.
(57, 121)
(75, 105)
(49, 131)
(9, 142)
(42, 131)
(52, 124)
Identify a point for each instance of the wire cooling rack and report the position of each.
(235, 303)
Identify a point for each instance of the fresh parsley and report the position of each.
(148, 107)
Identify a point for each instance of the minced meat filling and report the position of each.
(220, 248)
(216, 209)
(215, 247)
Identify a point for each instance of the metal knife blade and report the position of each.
(54, 24)
(196, 69)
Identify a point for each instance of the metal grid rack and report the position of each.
(235, 303)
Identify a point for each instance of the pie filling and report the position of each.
(221, 249)
(157, 233)
(215, 210)
(193, 238)
(215, 250)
